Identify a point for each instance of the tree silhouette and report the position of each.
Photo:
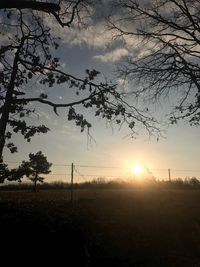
(28, 56)
(36, 165)
(165, 57)
(4, 172)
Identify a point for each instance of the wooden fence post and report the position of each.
(169, 173)
(72, 181)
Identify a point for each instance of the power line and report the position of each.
(110, 167)
(54, 164)
(99, 167)
(64, 174)
(104, 176)
(176, 170)
(68, 165)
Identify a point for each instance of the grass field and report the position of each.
(137, 228)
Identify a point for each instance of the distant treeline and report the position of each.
(101, 183)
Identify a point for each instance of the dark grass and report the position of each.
(137, 228)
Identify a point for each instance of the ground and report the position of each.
(103, 227)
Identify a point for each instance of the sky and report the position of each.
(110, 152)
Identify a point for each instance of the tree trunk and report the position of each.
(35, 182)
(8, 100)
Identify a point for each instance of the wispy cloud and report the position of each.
(113, 56)
(94, 34)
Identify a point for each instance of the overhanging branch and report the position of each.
(34, 5)
(54, 105)
(41, 6)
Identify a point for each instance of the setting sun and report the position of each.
(137, 169)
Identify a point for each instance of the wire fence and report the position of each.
(62, 172)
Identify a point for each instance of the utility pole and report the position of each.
(72, 181)
(169, 173)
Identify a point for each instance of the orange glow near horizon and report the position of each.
(137, 169)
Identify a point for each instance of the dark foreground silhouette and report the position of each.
(31, 243)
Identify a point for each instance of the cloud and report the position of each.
(44, 115)
(70, 132)
(125, 86)
(92, 33)
(113, 56)
(94, 36)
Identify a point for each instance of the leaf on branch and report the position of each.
(43, 96)
(12, 147)
(30, 75)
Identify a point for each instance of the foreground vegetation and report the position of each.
(102, 183)
(121, 227)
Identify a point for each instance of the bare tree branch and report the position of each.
(54, 105)
(166, 62)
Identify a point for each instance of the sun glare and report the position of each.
(137, 169)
